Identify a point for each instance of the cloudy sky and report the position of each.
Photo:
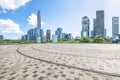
(18, 16)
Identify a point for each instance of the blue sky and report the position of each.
(18, 16)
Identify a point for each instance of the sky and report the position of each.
(18, 16)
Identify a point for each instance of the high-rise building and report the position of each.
(54, 38)
(92, 34)
(94, 25)
(66, 36)
(115, 27)
(42, 35)
(99, 23)
(105, 33)
(38, 33)
(48, 35)
(38, 19)
(1, 37)
(31, 34)
(58, 32)
(25, 37)
(85, 26)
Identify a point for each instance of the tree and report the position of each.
(99, 39)
(85, 39)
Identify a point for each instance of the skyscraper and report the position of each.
(58, 32)
(99, 24)
(1, 37)
(31, 34)
(105, 33)
(115, 27)
(85, 26)
(38, 34)
(54, 38)
(66, 36)
(48, 35)
(92, 34)
(94, 25)
(42, 35)
(38, 19)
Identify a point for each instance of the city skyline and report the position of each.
(68, 16)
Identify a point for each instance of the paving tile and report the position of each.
(67, 59)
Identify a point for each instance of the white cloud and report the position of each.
(8, 26)
(32, 20)
(12, 4)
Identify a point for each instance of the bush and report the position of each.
(86, 40)
(17, 41)
(99, 39)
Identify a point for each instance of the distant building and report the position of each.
(58, 32)
(92, 34)
(105, 33)
(38, 20)
(94, 26)
(48, 35)
(85, 26)
(99, 23)
(66, 36)
(54, 38)
(1, 37)
(69, 36)
(44, 39)
(42, 35)
(117, 39)
(31, 34)
(36, 33)
(25, 37)
(63, 36)
(77, 37)
(115, 27)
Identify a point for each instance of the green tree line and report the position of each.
(17, 41)
(97, 39)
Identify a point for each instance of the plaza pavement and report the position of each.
(60, 62)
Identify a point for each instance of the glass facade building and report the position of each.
(115, 27)
(48, 35)
(38, 19)
(1, 37)
(85, 26)
(99, 23)
(54, 38)
(66, 36)
(58, 32)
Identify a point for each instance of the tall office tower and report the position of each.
(99, 28)
(48, 35)
(38, 19)
(66, 36)
(31, 34)
(115, 27)
(105, 33)
(92, 34)
(94, 25)
(85, 26)
(54, 39)
(42, 35)
(38, 31)
(69, 36)
(58, 32)
(63, 35)
(1, 37)
(25, 37)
